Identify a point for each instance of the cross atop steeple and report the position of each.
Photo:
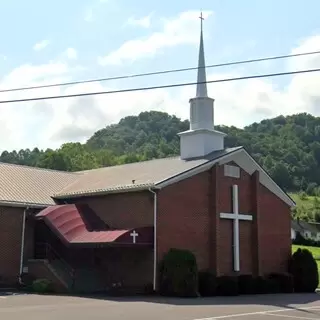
(201, 19)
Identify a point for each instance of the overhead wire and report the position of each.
(159, 72)
(160, 86)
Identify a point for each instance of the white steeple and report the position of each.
(201, 79)
(201, 139)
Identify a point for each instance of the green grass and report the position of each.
(307, 203)
(315, 252)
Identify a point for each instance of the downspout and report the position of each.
(22, 243)
(154, 239)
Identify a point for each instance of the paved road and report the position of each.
(264, 307)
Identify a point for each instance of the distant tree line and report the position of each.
(287, 147)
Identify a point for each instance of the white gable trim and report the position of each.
(196, 170)
(242, 158)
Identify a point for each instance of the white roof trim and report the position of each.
(23, 204)
(194, 171)
(274, 187)
(265, 179)
(100, 192)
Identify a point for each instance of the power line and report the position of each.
(160, 72)
(160, 87)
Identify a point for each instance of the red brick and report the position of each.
(10, 239)
(188, 218)
(123, 210)
(183, 218)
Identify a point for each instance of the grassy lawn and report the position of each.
(306, 203)
(315, 252)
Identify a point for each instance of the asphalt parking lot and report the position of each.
(264, 307)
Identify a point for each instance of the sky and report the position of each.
(45, 42)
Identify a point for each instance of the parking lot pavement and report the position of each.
(263, 307)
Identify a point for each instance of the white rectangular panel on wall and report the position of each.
(231, 171)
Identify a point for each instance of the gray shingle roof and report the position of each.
(301, 226)
(144, 174)
(23, 184)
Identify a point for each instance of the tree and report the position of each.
(288, 148)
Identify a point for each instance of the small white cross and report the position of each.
(236, 217)
(201, 19)
(134, 235)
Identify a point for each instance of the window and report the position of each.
(231, 171)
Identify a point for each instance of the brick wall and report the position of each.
(274, 232)
(183, 218)
(134, 267)
(188, 218)
(10, 239)
(225, 230)
(122, 210)
(265, 243)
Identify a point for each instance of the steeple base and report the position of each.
(198, 143)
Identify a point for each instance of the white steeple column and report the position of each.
(201, 139)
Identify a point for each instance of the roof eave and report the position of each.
(207, 165)
(103, 192)
(8, 203)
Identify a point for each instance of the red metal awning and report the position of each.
(68, 222)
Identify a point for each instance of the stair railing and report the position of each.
(50, 254)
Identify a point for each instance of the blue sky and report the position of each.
(57, 41)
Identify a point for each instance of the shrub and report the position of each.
(42, 286)
(265, 285)
(228, 286)
(148, 289)
(246, 284)
(179, 274)
(304, 270)
(207, 284)
(284, 282)
(26, 282)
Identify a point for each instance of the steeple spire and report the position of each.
(201, 79)
(201, 139)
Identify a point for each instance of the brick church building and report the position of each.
(99, 229)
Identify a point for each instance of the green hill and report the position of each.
(287, 147)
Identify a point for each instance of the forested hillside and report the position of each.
(287, 147)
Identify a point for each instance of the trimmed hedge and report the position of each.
(284, 282)
(246, 284)
(179, 274)
(304, 270)
(210, 285)
(228, 286)
(207, 284)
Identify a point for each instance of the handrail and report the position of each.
(49, 250)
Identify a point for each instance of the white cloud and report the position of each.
(184, 29)
(52, 122)
(41, 45)
(71, 53)
(143, 22)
